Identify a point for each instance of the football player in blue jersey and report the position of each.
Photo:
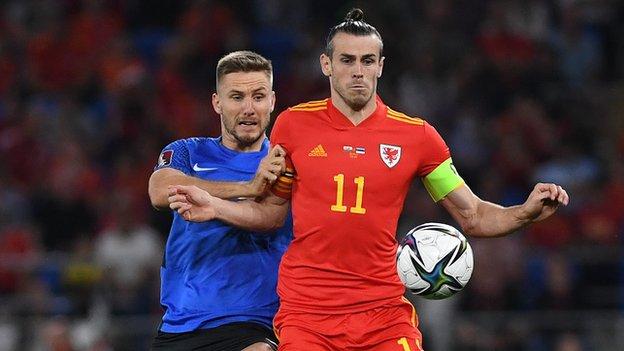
(217, 281)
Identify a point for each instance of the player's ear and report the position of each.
(272, 100)
(325, 65)
(216, 103)
(381, 64)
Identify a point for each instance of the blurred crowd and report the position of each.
(91, 90)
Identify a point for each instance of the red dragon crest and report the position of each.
(390, 154)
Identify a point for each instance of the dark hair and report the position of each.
(243, 61)
(353, 24)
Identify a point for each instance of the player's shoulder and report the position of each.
(197, 141)
(304, 111)
(310, 106)
(200, 140)
(400, 118)
(193, 143)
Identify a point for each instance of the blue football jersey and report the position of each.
(214, 273)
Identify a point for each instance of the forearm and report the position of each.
(480, 218)
(251, 215)
(159, 183)
(492, 220)
(485, 219)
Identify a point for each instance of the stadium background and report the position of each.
(523, 91)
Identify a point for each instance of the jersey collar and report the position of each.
(339, 119)
(263, 148)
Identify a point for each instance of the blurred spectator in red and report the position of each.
(525, 135)
(8, 69)
(20, 253)
(554, 233)
(71, 183)
(91, 29)
(510, 51)
(21, 152)
(54, 335)
(601, 218)
(176, 100)
(120, 68)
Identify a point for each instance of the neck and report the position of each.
(356, 117)
(233, 144)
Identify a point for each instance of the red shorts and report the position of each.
(386, 328)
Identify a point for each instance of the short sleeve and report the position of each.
(176, 156)
(280, 136)
(437, 171)
(434, 150)
(280, 133)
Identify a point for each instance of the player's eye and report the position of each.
(236, 97)
(368, 62)
(346, 60)
(259, 97)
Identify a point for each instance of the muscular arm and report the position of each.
(269, 168)
(196, 205)
(161, 179)
(481, 218)
(266, 215)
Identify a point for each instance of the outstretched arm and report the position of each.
(268, 170)
(197, 205)
(481, 218)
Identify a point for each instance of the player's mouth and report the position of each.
(248, 125)
(358, 87)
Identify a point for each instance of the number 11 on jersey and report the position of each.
(339, 206)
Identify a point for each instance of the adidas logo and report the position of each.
(318, 151)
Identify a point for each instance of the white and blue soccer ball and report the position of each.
(434, 261)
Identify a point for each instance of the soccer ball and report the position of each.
(434, 261)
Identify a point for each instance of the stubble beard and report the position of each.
(357, 102)
(245, 141)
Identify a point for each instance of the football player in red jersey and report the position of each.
(350, 162)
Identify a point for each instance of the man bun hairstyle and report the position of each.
(353, 24)
(243, 61)
(355, 15)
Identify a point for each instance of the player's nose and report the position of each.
(358, 72)
(248, 108)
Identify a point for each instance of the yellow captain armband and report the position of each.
(442, 180)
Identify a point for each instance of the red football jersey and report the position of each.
(349, 188)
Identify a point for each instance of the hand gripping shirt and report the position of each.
(213, 273)
(348, 191)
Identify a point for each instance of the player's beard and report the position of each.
(355, 101)
(248, 139)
